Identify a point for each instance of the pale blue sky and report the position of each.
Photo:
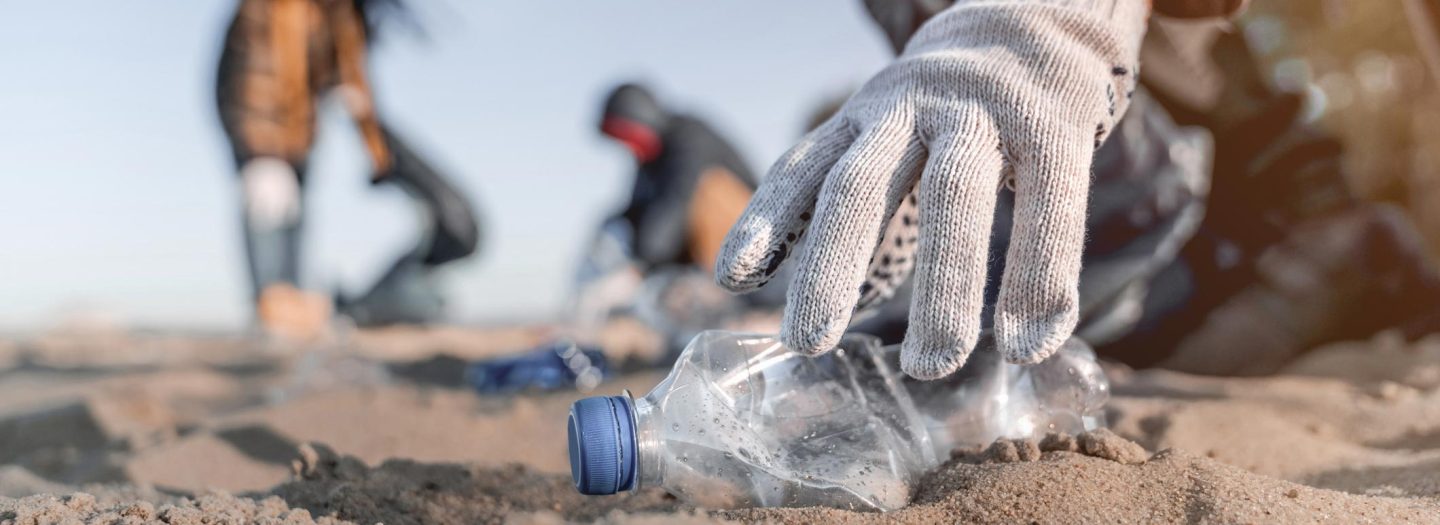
(118, 195)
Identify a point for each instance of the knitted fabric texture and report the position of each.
(986, 95)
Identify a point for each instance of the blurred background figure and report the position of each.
(1291, 254)
(690, 186)
(644, 286)
(280, 58)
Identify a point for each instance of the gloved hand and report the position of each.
(989, 93)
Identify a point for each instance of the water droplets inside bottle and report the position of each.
(769, 427)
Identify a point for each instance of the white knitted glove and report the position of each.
(986, 94)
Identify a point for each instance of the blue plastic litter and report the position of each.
(553, 366)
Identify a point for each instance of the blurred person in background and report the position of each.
(655, 257)
(1228, 251)
(280, 58)
(1289, 255)
(645, 285)
(690, 185)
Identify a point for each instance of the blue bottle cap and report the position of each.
(602, 445)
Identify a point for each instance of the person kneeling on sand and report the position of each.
(690, 185)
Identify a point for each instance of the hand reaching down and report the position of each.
(988, 94)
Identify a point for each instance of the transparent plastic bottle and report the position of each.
(742, 421)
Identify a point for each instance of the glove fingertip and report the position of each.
(811, 338)
(1026, 357)
(929, 361)
(733, 281)
(1031, 341)
(738, 273)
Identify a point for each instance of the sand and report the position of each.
(123, 427)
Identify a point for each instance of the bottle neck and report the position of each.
(648, 445)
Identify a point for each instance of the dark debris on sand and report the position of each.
(402, 492)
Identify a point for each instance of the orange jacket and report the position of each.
(280, 56)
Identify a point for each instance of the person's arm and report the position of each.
(988, 93)
(350, 47)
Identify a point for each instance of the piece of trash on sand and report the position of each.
(552, 366)
(742, 421)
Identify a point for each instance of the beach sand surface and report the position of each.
(117, 426)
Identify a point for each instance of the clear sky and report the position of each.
(119, 197)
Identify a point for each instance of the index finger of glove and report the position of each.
(773, 222)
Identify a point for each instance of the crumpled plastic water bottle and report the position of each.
(742, 421)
